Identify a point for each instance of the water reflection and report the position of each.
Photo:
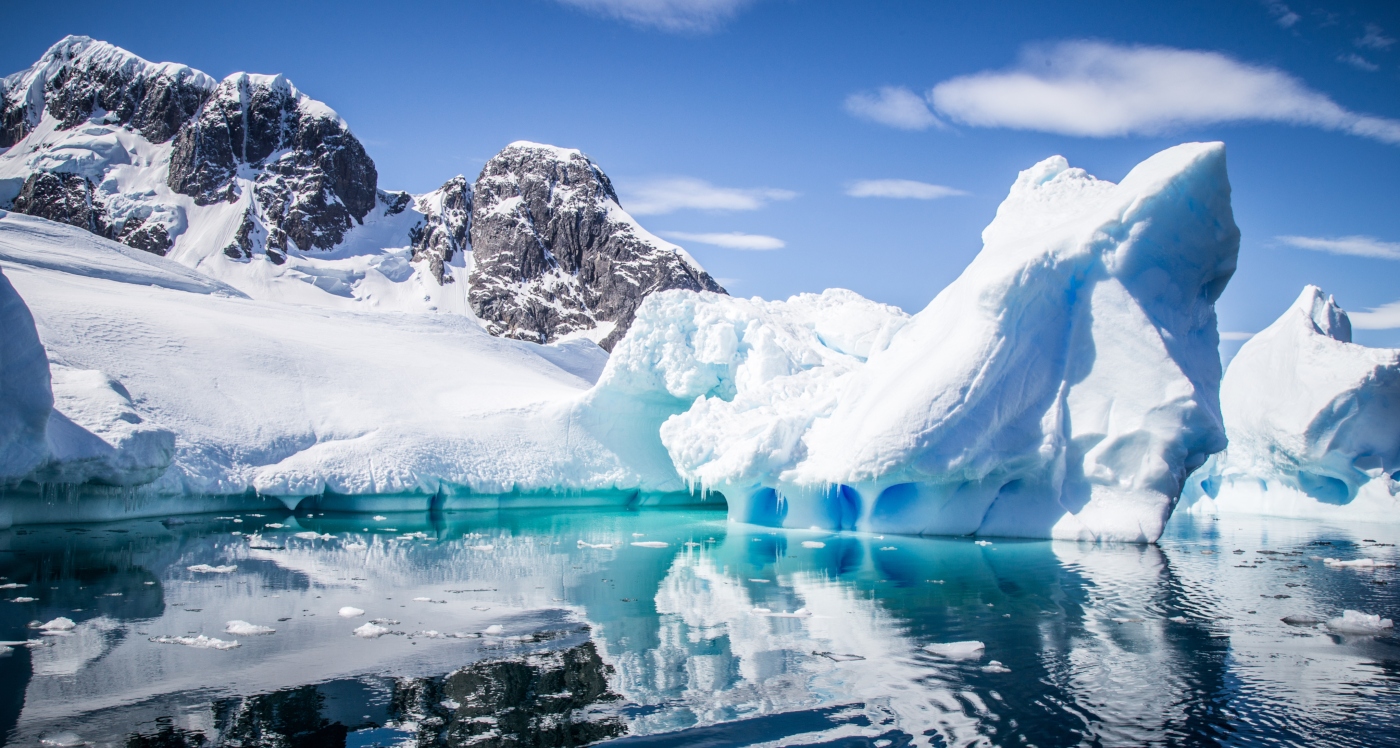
(677, 628)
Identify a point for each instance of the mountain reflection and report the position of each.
(678, 628)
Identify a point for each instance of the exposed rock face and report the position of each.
(66, 198)
(446, 226)
(79, 76)
(314, 180)
(555, 252)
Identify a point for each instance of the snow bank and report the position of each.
(1064, 386)
(1312, 419)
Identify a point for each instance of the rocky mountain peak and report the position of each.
(445, 229)
(555, 253)
(78, 77)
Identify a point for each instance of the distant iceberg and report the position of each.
(1064, 386)
(1314, 423)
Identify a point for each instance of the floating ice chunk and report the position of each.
(889, 548)
(350, 612)
(379, 518)
(1184, 619)
(313, 536)
(198, 642)
(639, 535)
(23, 599)
(1357, 563)
(63, 740)
(965, 650)
(586, 544)
(650, 544)
(275, 525)
(207, 569)
(1356, 622)
(760, 581)
(494, 629)
(691, 544)
(428, 600)
(355, 547)
(813, 544)
(384, 621)
(983, 542)
(372, 630)
(414, 536)
(243, 628)
(12, 586)
(995, 667)
(59, 624)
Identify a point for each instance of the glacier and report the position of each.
(1314, 423)
(1065, 385)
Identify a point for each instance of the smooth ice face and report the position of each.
(1312, 419)
(1064, 386)
(25, 397)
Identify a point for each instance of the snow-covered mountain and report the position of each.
(1314, 423)
(254, 183)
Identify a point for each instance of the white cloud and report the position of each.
(731, 240)
(1236, 335)
(895, 106)
(1379, 318)
(1097, 89)
(659, 196)
(1374, 38)
(900, 188)
(1283, 15)
(1356, 246)
(1358, 62)
(667, 15)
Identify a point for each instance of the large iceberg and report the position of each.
(1065, 385)
(1314, 423)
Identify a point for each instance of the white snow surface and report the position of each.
(1314, 423)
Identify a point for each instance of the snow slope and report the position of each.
(1314, 423)
(1063, 386)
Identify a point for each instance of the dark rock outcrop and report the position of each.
(314, 180)
(445, 228)
(65, 198)
(79, 76)
(555, 253)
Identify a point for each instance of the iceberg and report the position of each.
(1313, 423)
(1065, 385)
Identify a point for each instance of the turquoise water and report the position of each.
(678, 628)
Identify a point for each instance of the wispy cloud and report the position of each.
(667, 15)
(895, 106)
(1357, 61)
(1378, 318)
(1097, 89)
(1356, 246)
(660, 196)
(900, 188)
(730, 240)
(1374, 38)
(1282, 14)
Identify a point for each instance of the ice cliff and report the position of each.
(1065, 385)
(1314, 423)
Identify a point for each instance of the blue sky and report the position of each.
(751, 123)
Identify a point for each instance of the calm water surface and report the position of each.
(679, 629)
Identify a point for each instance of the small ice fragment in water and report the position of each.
(983, 542)
(691, 544)
(1357, 563)
(968, 650)
(371, 631)
(1356, 622)
(275, 525)
(428, 600)
(494, 629)
(650, 544)
(24, 599)
(1179, 619)
(995, 667)
(639, 535)
(309, 535)
(764, 581)
(59, 624)
(199, 642)
(350, 612)
(207, 569)
(586, 544)
(12, 586)
(243, 628)
(379, 518)
(384, 621)
(889, 548)
(813, 544)
(62, 740)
